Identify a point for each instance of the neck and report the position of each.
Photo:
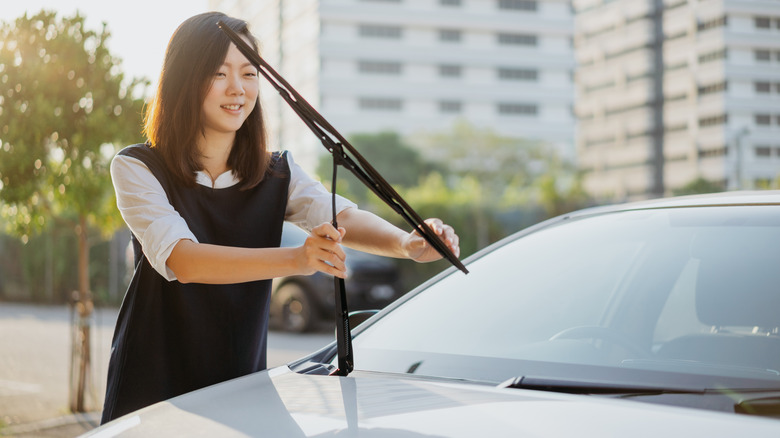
(214, 153)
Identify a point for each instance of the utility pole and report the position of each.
(738, 153)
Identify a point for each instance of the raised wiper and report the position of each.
(592, 386)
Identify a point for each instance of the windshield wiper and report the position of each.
(345, 155)
(592, 386)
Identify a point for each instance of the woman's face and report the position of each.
(231, 97)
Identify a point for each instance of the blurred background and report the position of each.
(490, 114)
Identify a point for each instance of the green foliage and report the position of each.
(698, 185)
(65, 111)
(40, 269)
(486, 186)
(400, 164)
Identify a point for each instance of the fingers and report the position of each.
(328, 231)
(323, 251)
(446, 233)
(418, 248)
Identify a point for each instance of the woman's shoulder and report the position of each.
(280, 161)
(141, 151)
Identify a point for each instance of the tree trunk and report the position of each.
(81, 351)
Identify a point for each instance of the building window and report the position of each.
(380, 104)
(378, 31)
(450, 107)
(763, 87)
(763, 55)
(763, 119)
(762, 22)
(712, 56)
(450, 71)
(713, 88)
(709, 153)
(712, 24)
(517, 39)
(449, 2)
(763, 151)
(449, 35)
(517, 74)
(379, 67)
(518, 5)
(714, 120)
(517, 109)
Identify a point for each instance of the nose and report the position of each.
(235, 87)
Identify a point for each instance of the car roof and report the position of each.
(734, 198)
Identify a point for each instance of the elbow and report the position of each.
(184, 275)
(179, 263)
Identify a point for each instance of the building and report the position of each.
(417, 66)
(669, 91)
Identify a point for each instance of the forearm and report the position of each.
(368, 232)
(212, 264)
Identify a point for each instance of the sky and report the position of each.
(140, 29)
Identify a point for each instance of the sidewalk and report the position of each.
(34, 368)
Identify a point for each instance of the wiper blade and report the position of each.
(591, 386)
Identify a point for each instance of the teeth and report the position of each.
(231, 107)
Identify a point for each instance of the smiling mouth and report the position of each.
(232, 107)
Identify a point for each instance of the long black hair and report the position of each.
(173, 122)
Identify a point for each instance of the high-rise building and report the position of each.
(669, 91)
(418, 65)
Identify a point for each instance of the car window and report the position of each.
(657, 290)
(678, 317)
(517, 296)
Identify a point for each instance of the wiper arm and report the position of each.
(343, 155)
(591, 386)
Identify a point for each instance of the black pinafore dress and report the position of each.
(172, 338)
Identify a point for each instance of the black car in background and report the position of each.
(300, 303)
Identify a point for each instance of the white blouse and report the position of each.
(158, 226)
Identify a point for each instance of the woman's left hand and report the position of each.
(418, 248)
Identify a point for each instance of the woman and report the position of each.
(205, 202)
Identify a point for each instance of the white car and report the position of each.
(659, 318)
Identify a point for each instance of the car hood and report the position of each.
(280, 403)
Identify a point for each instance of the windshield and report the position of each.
(649, 295)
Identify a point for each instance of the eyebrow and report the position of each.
(246, 64)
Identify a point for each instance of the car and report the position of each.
(655, 318)
(302, 303)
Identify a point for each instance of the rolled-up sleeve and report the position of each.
(145, 209)
(309, 202)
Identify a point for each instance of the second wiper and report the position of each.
(591, 386)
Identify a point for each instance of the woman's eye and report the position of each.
(220, 74)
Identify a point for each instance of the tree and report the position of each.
(510, 174)
(698, 185)
(396, 161)
(66, 110)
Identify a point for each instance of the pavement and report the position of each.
(35, 343)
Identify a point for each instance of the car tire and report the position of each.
(296, 313)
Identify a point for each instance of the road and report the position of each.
(35, 363)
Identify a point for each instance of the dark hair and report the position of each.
(173, 118)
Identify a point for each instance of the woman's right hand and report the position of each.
(322, 251)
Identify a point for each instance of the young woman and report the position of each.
(205, 202)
